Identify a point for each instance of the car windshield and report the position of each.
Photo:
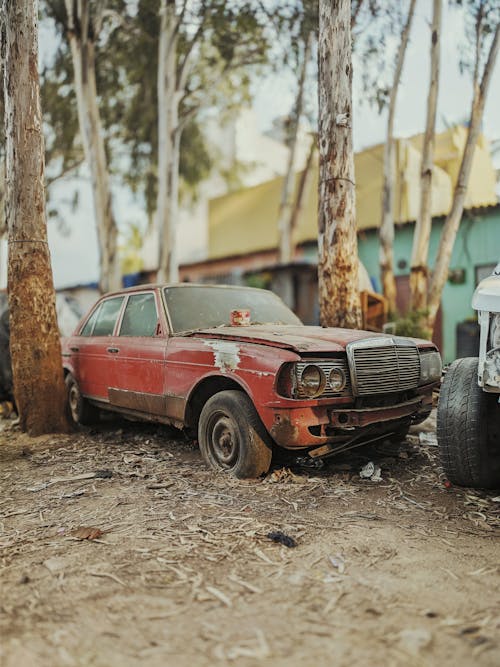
(194, 307)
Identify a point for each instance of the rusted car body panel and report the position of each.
(166, 376)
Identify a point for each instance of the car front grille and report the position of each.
(383, 366)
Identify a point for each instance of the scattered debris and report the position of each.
(245, 584)
(219, 595)
(108, 576)
(99, 474)
(338, 562)
(191, 546)
(54, 564)
(414, 640)
(308, 463)
(256, 648)
(428, 438)
(284, 475)
(280, 538)
(103, 474)
(371, 471)
(87, 533)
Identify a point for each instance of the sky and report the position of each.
(74, 257)
(275, 95)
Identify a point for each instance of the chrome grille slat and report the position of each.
(326, 367)
(383, 368)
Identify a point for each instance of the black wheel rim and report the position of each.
(223, 440)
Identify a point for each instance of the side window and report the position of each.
(106, 318)
(140, 317)
(89, 325)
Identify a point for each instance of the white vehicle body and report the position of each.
(486, 301)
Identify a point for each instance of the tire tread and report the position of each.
(462, 427)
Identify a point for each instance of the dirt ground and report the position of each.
(399, 571)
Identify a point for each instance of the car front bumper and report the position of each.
(315, 425)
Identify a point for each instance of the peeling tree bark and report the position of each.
(422, 233)
(338, 246)
(453, 218)
(34, 337)
(83, 55)
(387, 224)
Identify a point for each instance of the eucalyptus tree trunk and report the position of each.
(81, 40)
(3, 220)
(389, 175)
(286, 248)
(304, 184)
(34, 337)
(338, 246)
(453, 218)
(168, 143)
(420, 251)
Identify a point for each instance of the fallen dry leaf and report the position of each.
(86, 533)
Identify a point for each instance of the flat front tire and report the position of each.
(468, 428)
(232, 436)
(79, 409)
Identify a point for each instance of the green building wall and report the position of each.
(477, 244)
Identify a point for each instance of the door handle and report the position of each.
(74, 349)
(113, 350)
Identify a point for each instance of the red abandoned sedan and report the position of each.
(236, 367)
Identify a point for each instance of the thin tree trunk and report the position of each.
(304, 185)
(3, 220)
(356, 8)
(453, 218)
(34, 337)
(387, 224)
(168, 144)
(338, 246)
(286, 248)
(422, 233)
(83, 56)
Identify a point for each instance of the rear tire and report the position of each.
(232, 436)
(80, 411)
(468, 428)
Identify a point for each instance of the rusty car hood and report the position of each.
(298, 338)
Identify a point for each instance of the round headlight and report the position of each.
(312, 381)
(337, 379)
(430, 367)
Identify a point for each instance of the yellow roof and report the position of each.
(246, 221)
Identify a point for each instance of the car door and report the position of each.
(139, 371)
(93, 349)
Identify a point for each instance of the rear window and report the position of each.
(107, 316)
(89, 325)
(140, 317)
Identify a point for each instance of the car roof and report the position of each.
(140, 288)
